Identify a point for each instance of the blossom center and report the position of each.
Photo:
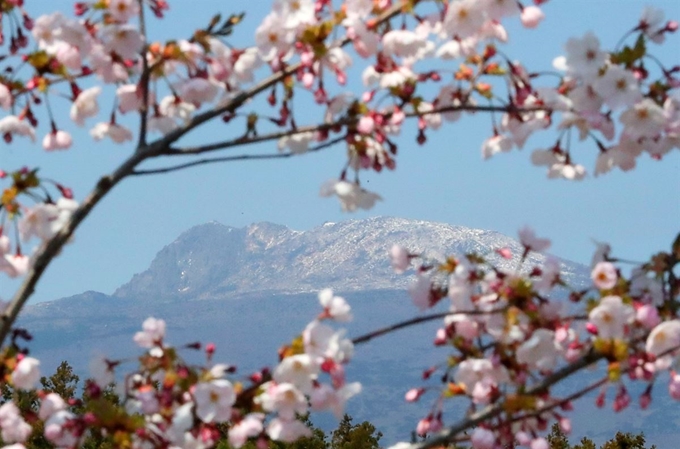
(214, 397)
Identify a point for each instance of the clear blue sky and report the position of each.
(445, 181)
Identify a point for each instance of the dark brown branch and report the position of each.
(143, 81)
(51, 248)
(241, 141)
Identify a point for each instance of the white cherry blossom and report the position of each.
(611, 317)
(214, 400)
(335, 306)
(26, 374)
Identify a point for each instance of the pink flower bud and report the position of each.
(591, 328)
(648, 316)
(366, 125)
(308, 80)
(532, 16)
(414, 394)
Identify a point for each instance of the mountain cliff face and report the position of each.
(218, 261)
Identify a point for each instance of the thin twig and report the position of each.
(242, 141)
(242, 157)
(421, 319)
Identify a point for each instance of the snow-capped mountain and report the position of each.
(218, 261)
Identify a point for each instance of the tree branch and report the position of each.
(51, 248)
(242, 157)
(421, 319)
(447, 435)
(270, 81)
(241, 141)
(143, 81)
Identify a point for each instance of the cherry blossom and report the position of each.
(351, 195)
(528, 239)
(14, 125)
(335, 306)
(153, 332)
(26, 374)
(85, 105)
(57, 140)
(214, 400)
(250, 426)
(604, 275)
(114, 131)
(610, 317)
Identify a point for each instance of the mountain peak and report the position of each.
(213, 260)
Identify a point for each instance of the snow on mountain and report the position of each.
(217, 261)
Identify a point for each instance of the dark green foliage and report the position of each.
(357, 436)
(558, 440)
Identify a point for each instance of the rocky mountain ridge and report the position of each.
(218, 261)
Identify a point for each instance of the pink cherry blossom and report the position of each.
(51, 404)
(14, 428)
(57, 140)
(123, 10)
(648, 316)
(483, 439)
(400, 259)
(58, 429)
(125, 40)
(250, 426)
(604, 275)
(531, 17)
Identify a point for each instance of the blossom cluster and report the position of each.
(309, 46)
(510, 330)
(170, 403)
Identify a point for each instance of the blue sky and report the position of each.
(444, 181)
